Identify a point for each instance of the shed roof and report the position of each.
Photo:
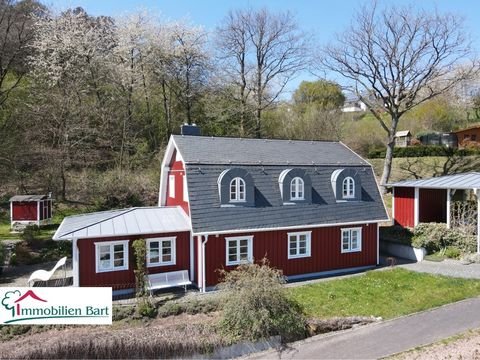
(469, 180)
(403, 133)
(123, 222)
(241, 151)
(474, 126)
(23, 198)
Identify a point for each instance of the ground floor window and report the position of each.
(111, 256)
(239, 250)
(351, 240)
(299, 244)
(161, 251)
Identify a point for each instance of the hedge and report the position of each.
(421, 151)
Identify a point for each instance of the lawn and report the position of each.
(389, 293)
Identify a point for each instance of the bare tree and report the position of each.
(398, 58)
(261, 52)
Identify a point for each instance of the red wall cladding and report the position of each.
(404, 206)
(178, 170)
(125, 279)
(24, 211)
(432, 205)
(325, 251)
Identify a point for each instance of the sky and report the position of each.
(322, 18)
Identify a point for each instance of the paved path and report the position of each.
(447, 267)
(385, 338)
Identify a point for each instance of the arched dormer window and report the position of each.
(346, 184)
(297, 189)
(295, 186)
(237, 190)
(348, 188)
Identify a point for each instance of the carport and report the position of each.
(429, 200)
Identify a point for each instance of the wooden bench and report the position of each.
(167, 280)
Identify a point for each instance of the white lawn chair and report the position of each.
(43, 275)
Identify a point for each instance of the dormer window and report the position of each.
(237, 190)
(297, 189)
(346, 184)
(348, 188)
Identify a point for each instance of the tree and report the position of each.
(398, 58)
(327, 95)
(260, 52)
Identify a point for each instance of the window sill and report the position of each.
(351, 251)
(98, 271)
(161, 264)
(292, 257)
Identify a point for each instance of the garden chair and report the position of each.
(44, 275)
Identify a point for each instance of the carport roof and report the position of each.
(123, 222)
(469, 180)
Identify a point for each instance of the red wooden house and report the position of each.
(30, 210)
(312, 208)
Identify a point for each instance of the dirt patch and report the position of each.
(465, 346)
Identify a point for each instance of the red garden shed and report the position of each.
(429, 200)
(30, 210)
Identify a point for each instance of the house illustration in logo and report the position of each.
(28, 294)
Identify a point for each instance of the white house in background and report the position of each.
(354, 104)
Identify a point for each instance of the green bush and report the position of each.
(256, 305)
(122, 312)
(146, 308)
(193, 306)
(435, 237)
(30, 233)
(452, 252)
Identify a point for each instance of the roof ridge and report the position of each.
(252, 139)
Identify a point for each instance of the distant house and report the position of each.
(354, 104)
(311, 207)
(30, 210)
(403, 138)
(470, 134)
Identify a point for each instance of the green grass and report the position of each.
(389, 293)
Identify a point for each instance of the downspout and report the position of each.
(204, 277)
(75, 264)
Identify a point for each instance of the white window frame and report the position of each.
(237, 239)
(173, 261)
(239, 196)
(297, 186)
(348, 192)
(359, 240)
(171, 186)
(112, 257)
(297, 255)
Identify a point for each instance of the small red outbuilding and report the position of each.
(30, 210)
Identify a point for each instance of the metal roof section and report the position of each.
(242, 151)
(469, 180)
(124, 222)
(402, 133)
(27, 198)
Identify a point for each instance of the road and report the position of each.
(385, 338)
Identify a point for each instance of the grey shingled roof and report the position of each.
(269, 212)
(469, 180)
(217, 150)
(22, 198)
(124, 222)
